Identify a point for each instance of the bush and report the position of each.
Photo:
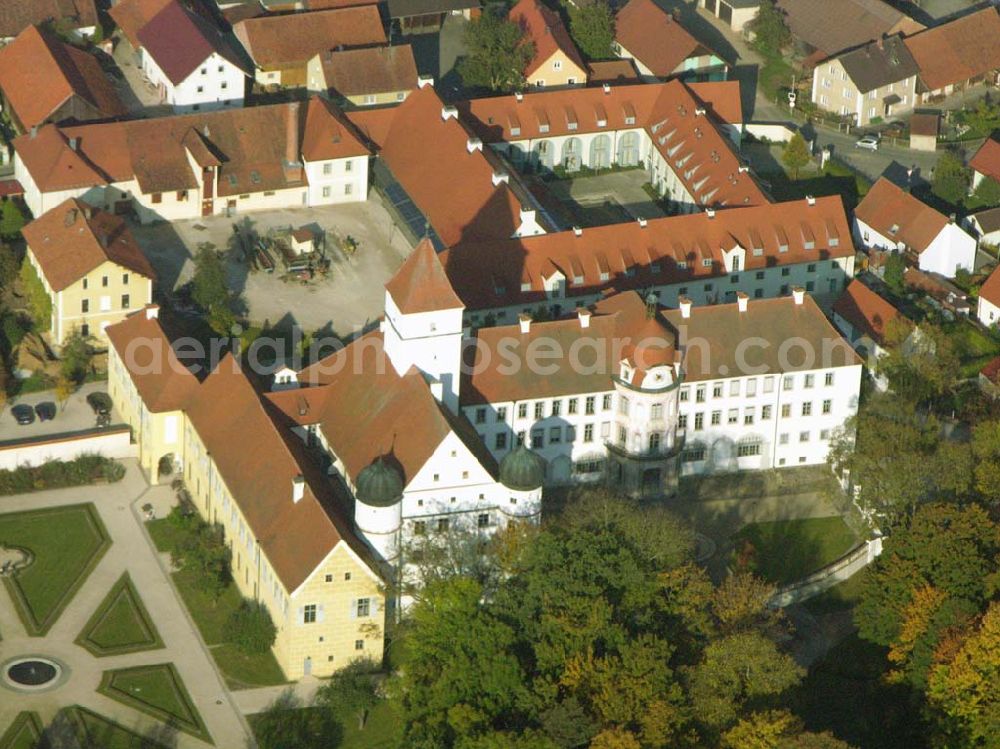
(57, 474)
(39, 303)
(251, 629)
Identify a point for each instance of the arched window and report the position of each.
(600, 152)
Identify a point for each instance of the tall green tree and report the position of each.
(987, 192)
(592, 26)
(76, 357)
(39, 302)
(771, 33)
(250, 628)
(351, 690)
(895, 267)
(796, 154)
(496, 54)
(951, 179)
(11, 219)
(208, 287)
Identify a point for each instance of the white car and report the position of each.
(869, 142)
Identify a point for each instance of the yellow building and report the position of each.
(364, 77)
(556, 60)
(90, 266)
(292, 550)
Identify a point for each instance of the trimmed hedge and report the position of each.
(57, 474)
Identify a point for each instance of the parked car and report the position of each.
(45, 411)
(23, 414)
(868, 142)
(100, 402)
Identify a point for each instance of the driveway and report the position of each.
(76, 415)
(131, 550)
(346, 301)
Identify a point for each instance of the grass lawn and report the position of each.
(121, 624)
(157, 691)
(773, 76)
(24, 733)
(834, 179)
(788, 550)
(67, 543)
(164, 534)
(212, 617)
(841, 596)
(96, 730)
(383, 729)
(845, 693)
(973, 346)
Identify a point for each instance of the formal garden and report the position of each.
(50, 554)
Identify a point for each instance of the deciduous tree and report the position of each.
(796, 154)
(771, 33)
(496, 54)
(352, 690)
(592, 26)
(951, 179)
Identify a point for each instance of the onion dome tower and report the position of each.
(378, 507)
(522, 473)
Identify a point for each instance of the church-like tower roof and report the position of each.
(379, 485)
(421, 285)
(522, 469)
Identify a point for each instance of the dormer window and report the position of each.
(707, 263)
(758, 251)
(543, 128)
(630, 119)
(515, 131)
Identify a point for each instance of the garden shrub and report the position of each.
(57, 474)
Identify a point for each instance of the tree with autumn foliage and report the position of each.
(604, 634)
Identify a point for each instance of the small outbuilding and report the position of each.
(924, 131)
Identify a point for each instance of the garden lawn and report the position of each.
(974, 347)
(773, 76)
(24, 733)
(96, 730)
(383, 729)
(212, 617)
(120, 624)
(67, 542)
(833, 179)
(788, 550)
(158, 691)
(165, 534)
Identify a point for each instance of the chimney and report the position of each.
(518, 96)
(684, 303)
(87, 211)
(742, 300)
(810, 200)
(584, 315)
(473, 144)
(437, 390)
(293, 166)
(500, 176)
(880, 42)
(577, 231)
(799, 294)
(153, 312)
(70, 217)
(710, 212)
(34, 130)
(448, 113)
(699, 112)
(74, 143)
(525, 322)
(298, 488)
(952, 217)
(744, 168)
(423, 81)
(642, 222)
(607, 88)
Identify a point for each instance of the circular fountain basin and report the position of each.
(32, 673)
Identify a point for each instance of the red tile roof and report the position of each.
(489, 274)
(328, 134)
(655, 38)
(73, 239)
(132, 15)
(279, 40)
(669, 112)
(39, 74)
(987, 159)
(990, 290)
(259, 472)
(367, 411)
(869, 313)
(252, 141)
(722, 98)
(615, 72)
(429, 155)
(370, 70)
(957, 50)
(163, 382)
(896, 214)
(17, 15)
(544, 28)
(420, 285)
(180, 40)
